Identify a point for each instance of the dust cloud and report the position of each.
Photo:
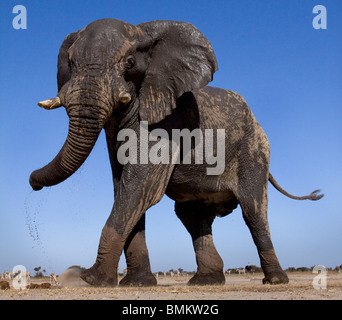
(70, 278)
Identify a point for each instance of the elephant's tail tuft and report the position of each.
(313, 196)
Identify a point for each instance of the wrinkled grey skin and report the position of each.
(111, 75)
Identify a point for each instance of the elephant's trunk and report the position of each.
(85, 125)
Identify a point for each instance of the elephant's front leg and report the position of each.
(141, 186)
(137, 259)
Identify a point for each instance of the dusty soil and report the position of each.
(237, 287)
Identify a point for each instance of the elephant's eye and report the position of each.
(130, 62)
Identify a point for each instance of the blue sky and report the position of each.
(290, 75)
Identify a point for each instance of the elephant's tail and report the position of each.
(313, 196)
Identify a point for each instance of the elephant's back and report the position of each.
(222, 109)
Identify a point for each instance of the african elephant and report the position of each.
(114, 76)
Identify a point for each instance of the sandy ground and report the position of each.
(237, 287)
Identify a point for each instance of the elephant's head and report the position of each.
(111, 64)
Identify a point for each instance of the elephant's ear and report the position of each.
(63, 69)
(182, 60)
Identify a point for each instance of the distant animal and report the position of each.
(8, 275)
(4, 285)
(53, 279)
(249, 269)
(44, 285)
(241, 271)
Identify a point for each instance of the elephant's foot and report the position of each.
(96, 278)
(275, 277)
(207, 279)
(136, 279)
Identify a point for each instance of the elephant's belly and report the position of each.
(221, 202)
(206, 197)
(190, 183)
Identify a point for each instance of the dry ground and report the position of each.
(237, 287)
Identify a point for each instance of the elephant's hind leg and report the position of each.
(254, 209)
(198, 218)
(138, 264)
(252, 193)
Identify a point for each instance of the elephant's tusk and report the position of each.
(50, 104)
(124, 97)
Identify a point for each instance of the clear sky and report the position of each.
(290, 75)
